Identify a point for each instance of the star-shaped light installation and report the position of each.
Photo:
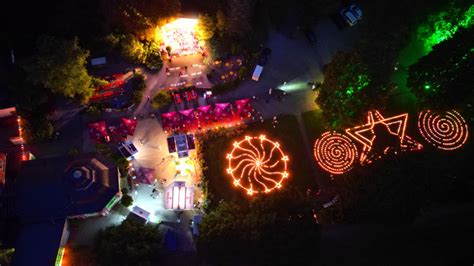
(257, 164)
(395, 126)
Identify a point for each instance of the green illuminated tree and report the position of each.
(60, 66)
(443, 25)
(444, 77)
(347, 91)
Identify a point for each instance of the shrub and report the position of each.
(138, 86)
(126, 200)
(161, 99)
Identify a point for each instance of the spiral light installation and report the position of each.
(257, 164)
(445, 131)
(335, 153)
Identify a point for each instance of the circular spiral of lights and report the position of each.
(335, 153)
(257, 164)
(445, 131)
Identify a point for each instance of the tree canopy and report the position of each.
(347, 90)
(444, 77)
(60, 66)
(273, 230)
(139, 17)
(161, 99)
(206, 27)
(130, 243)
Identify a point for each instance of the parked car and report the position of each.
(356, 11)
(349, 17)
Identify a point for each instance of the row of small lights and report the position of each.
(24, 156)
(336, 153)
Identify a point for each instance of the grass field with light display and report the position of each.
(214, 149)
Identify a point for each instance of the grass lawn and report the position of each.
(313, 122)
(287, 133)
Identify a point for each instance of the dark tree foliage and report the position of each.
(29, 97)
(398, 188)
(138, 87)
(347, 91)
(130, 243)
(291, 15)
(444, 77)
(277, 230)
(38, 129)
(138, 16)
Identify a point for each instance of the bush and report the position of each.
(94, 111)
(74, 152)
(161, 99)
(243, 72)
(126, 201)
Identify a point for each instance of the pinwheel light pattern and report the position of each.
(445, 131)
(257, 164)
(335, 153)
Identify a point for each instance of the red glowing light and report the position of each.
(335, 153)
(257, 164)
(445, 131)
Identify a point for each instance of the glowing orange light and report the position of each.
(257, 164)
(395, 125)
(335, 153)
(445, 131)
(181, 37)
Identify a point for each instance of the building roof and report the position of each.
(56, 188)
(10, 160)
(50, 190)
(38, 243)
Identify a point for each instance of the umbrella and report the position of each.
(243, 107)
(204, 114)
(128, 126)
(170, 120)
(188, 118)
(221, 109)
(98, 130)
